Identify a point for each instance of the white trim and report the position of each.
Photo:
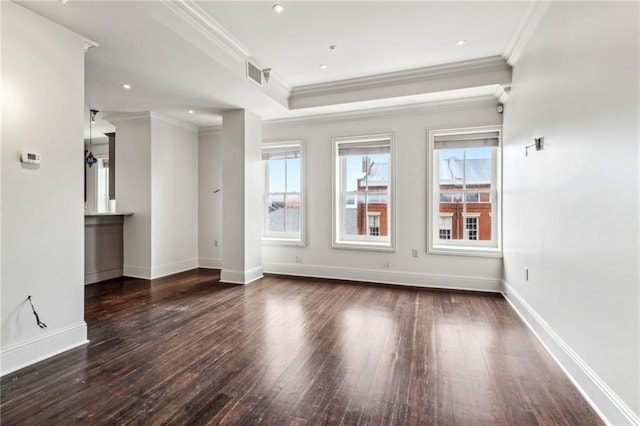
(210, 131)
(210, 262)
(98, 276)
(479, 248)
(36, 349)
(470, 67)
(89, 44)
(366, 243)
(598, 394)
(173, 268)
(204, 23)
(134, 271)
(117, 118)
(286, 240)
(530, 21)
(415, 279)
(418, 107)
(241, 277)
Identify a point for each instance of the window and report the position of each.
(464, 185)
(373, 224)
(471, 228)
(283, 192)
(444, 231)
(363, 204)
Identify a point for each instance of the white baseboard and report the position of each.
(136, 272)
(417, 279)
(30, 351)
(240, 277)
(599, 395)
(147, 273)
(210, 262)
(95, 277)
(173, 268)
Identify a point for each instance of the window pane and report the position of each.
(451, 168)
(478, 167)
(293, 174)
(275, 209)
(276, 175)
(292, 213)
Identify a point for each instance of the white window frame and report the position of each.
(298, 240)
(362, 242)
(492, 248)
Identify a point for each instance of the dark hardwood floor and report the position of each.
(187, 349)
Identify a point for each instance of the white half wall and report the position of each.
(571, 211)
(42, 206)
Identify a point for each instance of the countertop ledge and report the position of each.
(108, 214)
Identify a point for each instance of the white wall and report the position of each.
(42, 208)
(410, 127)
(174, 196)
(157, 180)
(209, 204)
(571, 211)
(133, 180)
(318, 258)
(242, 197)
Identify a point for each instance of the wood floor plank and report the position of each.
(187, 349)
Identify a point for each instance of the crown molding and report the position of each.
(206, 26)
(532, 17)
(210, 130)
(502, 93)
(441, 105)
(438, 78)
(119, 118)
(204, 23)
(89, 44)
(405, 76)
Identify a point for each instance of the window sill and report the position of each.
(267, 241)
(356, 245)
(466, 251)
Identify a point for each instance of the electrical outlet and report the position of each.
(414, 252)
(526, 273)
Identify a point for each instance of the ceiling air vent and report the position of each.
(254, 73)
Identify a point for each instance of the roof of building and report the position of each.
(478, 170)
(378, 175)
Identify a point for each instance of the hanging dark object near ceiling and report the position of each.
(90, 159)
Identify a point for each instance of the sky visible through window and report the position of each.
(277, 175)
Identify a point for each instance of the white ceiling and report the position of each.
(190, 55)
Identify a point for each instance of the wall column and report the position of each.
(242, 197)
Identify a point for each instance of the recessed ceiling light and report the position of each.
(278, 8)
(126, 86)
(461, 42)
(190, 111)
(323, 66)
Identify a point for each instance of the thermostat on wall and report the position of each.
(30, 157)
